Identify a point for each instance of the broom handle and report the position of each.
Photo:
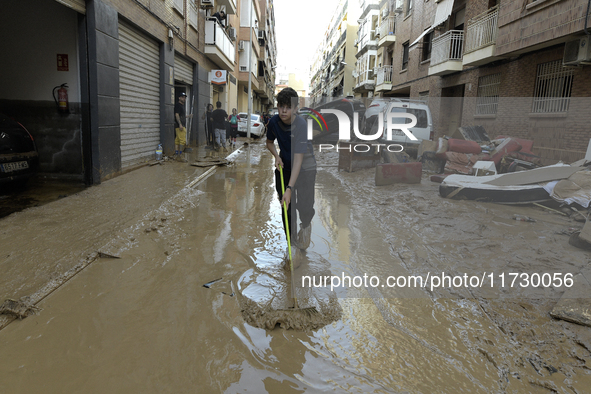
(288, 235)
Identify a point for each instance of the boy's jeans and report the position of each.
(220, 137)
(302, 199)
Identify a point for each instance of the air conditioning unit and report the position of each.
(232, 33)
(206, 3)
(261, 34)
(241, 45)
(577, 52)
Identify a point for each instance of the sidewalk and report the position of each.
(42, 243)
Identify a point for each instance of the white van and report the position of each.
(423, 130)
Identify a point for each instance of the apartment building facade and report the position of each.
(125, 62)
(333, 66)
(516, 68)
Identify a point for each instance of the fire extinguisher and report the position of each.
(62, 98)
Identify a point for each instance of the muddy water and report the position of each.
(145, 323)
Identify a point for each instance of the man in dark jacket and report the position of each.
(219, 125)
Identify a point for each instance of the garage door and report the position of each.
(77, 5)
(183, 70)
(139, 78)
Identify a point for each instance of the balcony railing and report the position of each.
(388, 27)
(482, 30)
(216, 35)
(384, 75)
(366, 76)
(448, 46)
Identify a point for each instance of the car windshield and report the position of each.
(252, 117)
(421, 114)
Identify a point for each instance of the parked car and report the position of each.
(423, 130)
(19, 159)
(372, 112)
(257, 128)
(273, 111)
(331, 136)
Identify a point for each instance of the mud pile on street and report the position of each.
(266, 299)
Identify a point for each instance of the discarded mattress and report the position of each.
(574, 189)
(464, 187)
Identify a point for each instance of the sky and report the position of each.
(299, 27)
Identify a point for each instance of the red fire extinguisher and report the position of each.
(62, 98)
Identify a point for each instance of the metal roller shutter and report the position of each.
(139, 76)
(77, 5)
(183, 70)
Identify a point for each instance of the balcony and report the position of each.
(230, 5)
(446, 53)
(218, 45)
(384, 79)
(367, 42)
(481, 37)
(365, 82)
(387, 31)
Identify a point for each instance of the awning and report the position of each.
(337, 81)
(442, 13)
(429, 30)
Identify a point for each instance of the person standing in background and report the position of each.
(219, 125)
(233, 119)
(180, 123)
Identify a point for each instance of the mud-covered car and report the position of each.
(329, 133)
(19, 159)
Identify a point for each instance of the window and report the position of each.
(193, 14)
(420, 114)
(488, 94)
(405, 56)
(553, 88)
(408, 7)
(179, 5)
(426, 51)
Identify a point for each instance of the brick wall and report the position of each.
(556, 137)
(521, 28)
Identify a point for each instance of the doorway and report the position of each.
(452, 106)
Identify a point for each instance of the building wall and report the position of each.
(550, 22)
(526, 39)
(556, 137)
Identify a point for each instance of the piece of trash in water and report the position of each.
(568, 231)
(522, 218)
(107, 255)
(208, 284)
(231, 295)
(21, 308)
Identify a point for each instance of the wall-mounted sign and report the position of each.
(62, 62)
(218, 77)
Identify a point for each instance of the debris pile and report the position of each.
(471, 145)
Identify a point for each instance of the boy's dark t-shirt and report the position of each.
(287, 136)
(219, 119)
(179, 109)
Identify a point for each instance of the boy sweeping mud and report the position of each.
(296, 159)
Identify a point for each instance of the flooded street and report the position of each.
(144, 322)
